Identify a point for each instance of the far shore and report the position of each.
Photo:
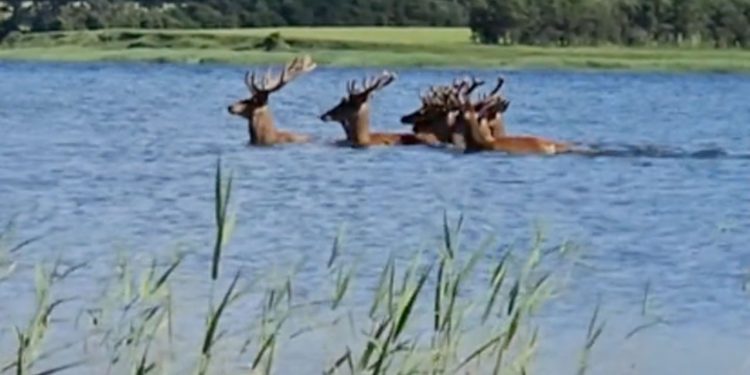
(356, 47)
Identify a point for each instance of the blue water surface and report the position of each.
(100, 158)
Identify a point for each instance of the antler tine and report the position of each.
(458, 83)
(504, 104)
(473, 85)
(446, 100)
(426, 97)
(452, 98)
(435, 91)
(267, 79)
(500, 82)
(440, 94)
(279, 82)
(376, 83)
(448, 95)
(250, 81)
(390, 77)
(366, 82)
(490, 97)
(486, 105)
(292, 70)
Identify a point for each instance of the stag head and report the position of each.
(357, 98)
(260, 89)
(434, 105)
(486, 107)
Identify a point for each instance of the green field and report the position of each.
(356, 46)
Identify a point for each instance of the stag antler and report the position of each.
(467, 85)
(492, 94)
(500, 82)
(486, 105)
(454, 99)
(435, 96)
(370, 85)
(292, 69)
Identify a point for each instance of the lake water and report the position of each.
(97, 158)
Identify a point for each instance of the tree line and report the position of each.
(719, 23)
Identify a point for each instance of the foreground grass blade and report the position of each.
(498, 277)
(221, 203)
(336, 248)
(592, 335)
(385, 283)
(213, 324)
(62, 368)
(163, 278)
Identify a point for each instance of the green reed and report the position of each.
(420, 319)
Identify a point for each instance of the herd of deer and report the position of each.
(447, 116)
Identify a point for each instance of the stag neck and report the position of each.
(497, 126)
(441, 127)
(347, 130)
(474, 138)
(359, 126)
(261, 127)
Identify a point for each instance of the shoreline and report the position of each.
(358, 47)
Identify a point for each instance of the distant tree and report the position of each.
(721, 23)
(689, 20)
(12, 22)
(493, 22)
(205, 15)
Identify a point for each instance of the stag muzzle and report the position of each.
(326, 117)
(409, 119)
(236, 108)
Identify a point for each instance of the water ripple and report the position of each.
(123, 154)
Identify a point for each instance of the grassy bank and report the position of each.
(367, 47)
(422, 317)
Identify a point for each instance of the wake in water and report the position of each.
(654, 151)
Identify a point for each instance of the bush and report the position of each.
(273, 42)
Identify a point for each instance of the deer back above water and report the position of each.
(473, 124)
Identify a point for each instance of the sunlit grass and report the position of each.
(387, 35)
(356, 46)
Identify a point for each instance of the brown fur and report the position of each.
(478, 138)
(353, 113)
(260, 125)
(261, 128)
(435, 120)
(494, 106)
(496, 125)
(432, 124)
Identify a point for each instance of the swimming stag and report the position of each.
(493, 117)
(353, 113)
(473, 123)
(434, 120)
(255, 109)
